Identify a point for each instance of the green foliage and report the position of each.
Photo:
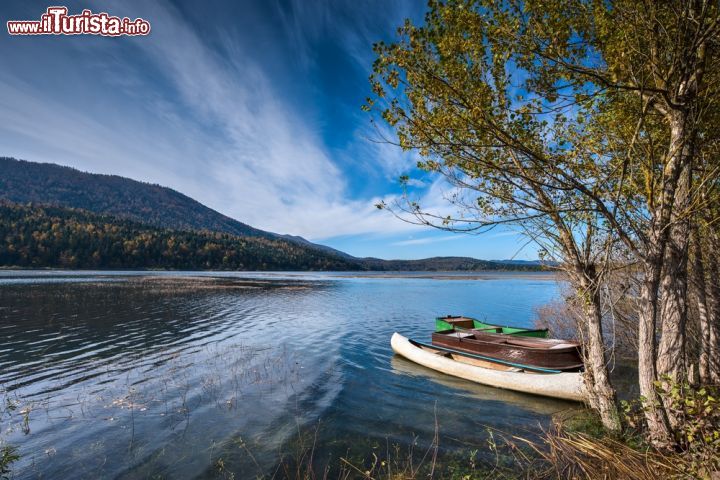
(698, 431)
(697, 410)
(8, 456)
(550, 114)
(35, 237)
(472, 92)
(586, 422)
(39, 237)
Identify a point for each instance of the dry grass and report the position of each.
(581, 456)
(569, 452)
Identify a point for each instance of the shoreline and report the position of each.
(252, 279)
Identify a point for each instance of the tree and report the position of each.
(580, 122)
(515, 156)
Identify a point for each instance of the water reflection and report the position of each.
(478, 395)
(136, 377)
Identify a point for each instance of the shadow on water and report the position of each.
(478, 395)
(133, 378)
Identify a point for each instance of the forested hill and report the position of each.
(49, 184)
(447, 264)
(96, 219)
(38, 237)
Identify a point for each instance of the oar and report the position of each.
(487, 359)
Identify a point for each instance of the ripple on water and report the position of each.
(132, 379)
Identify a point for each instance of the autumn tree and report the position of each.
(582, 122)
(511, 156)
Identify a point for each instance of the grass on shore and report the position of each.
(575, 447)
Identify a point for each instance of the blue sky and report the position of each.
(250, 107)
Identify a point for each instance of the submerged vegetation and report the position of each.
(8, 456)
(220, 381)
(576, 446)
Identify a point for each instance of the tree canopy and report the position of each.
(590, 126)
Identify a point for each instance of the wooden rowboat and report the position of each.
(486, 371)
(539, 352)
(466, 323)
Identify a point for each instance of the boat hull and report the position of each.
(543, 353)
(450, 322)
(565, 385)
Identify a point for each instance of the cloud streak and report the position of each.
(426, 240)
(252, 108)
(201, 117)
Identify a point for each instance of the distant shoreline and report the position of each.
(455, 275)
(205, 275)
(7, 268)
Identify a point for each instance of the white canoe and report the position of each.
(565, 385)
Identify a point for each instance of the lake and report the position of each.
(197, 375)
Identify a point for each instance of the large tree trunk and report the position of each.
(673, 310)
(661, 284)
(713, 295)
(604, 398)
(669, 232)
(601, 394)
(674, 282)
(671, 368)
(657, 423)
(699, 283)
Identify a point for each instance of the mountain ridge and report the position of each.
(24, 182)
(49, 183)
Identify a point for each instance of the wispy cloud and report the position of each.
(426, 240)
(207, 121)
(201, 106)
(417, 183)
(273, 164)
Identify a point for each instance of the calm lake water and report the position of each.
(128, 376)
